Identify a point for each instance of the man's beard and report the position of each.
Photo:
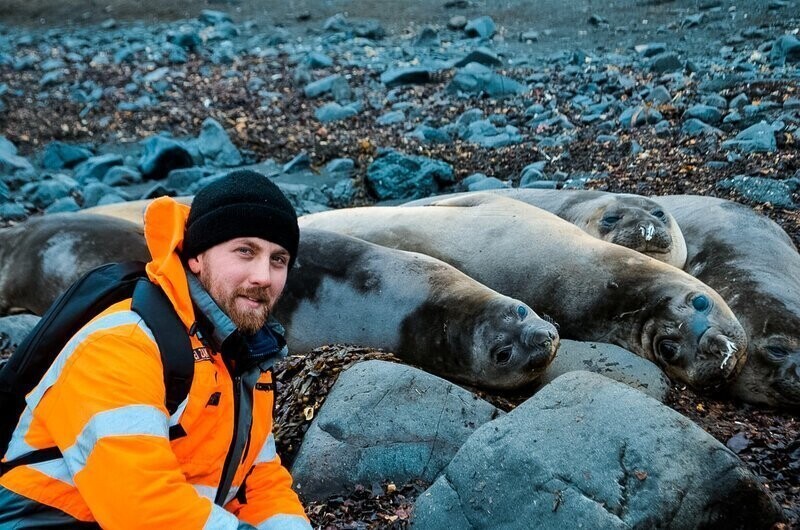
(248, 321)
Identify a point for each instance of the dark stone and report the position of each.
(301, 162)
(477, 79)
(481, 27)
(757, 138)
(58, 155)
(45, 192)
(760, 189)
(665, 62)
(215, 146)
(335, 112)
(122, 176)
(695, 127)
(181, 180)
(640, 115)
(705, 113)
(412, 75)
(481, 55)
(96, 167)
(161, 155)
(785, 49)
(399, 176)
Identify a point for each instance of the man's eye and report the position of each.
(281, 260)
(245, 250)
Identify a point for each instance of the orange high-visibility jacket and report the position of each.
(102, 403)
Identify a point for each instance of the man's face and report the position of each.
(245, 277)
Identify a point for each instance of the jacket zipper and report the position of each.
(222, 492)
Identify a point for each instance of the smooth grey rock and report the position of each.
(181, 180)
(399, 176)
(481, 27)
(45, 192)
(212, 17)
(486, 183)
(317, 60)
(704, 113)
(332, 84)
(639, 115)
(665, 62)
(651, 49)
(122, 176)
(14, 329)
(611, 361)
(96, 167)
(756, 138)
(786, 48)
(392, 117)
(477, 79)
(13, 211)
(430, 135)
(385, 421)
(761, 189)
(485, 134)
(481, 55)
(694, 127)
(411, 75)
(216, 147)
(96, 191)
(301, 162)
(659, 95)
(58, 155)
(588, 449)
(66, 204)
(161, 155)
(457, 22)
(335, 112)
(428, 37)
(342, 168)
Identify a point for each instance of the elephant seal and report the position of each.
(341, 290)
(755, 267)
(595, 290)
(132, 211)
(43, 256)
(624, 219)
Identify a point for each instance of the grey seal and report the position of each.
(596, 291)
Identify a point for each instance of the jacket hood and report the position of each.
(164, 225)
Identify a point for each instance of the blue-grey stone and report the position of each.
(662, 128)
(223, 55)
(481, 55)
(705, 113)
(181, 180)
(715, 100)
(428, 37)
(95, 191)
(277, 35)
(733, 117)
(338, 23)
(47, 191)
(756, 138)
(52, 64)
(161, 155)
(430, 135)
(53, 77)
(607, 138)
(215, 146)
(111, 198)
(5, 193)
(331, 112)
(343, 193)
(7, 147)
(122, 176)
(532, 172)
(12, 211)
(693, 21)
(477, 79)
(95, 168)
(58, 155)
(399, 176)
(186, 37)
(342, 168)
(486, 183)
(300, 162)
(392, 117)
(222, 32)
(485, 134)
(326, 85)
(694, 127)
(369, 29)
(411, 75)
(651, 49)
(67, 204)
(481, 27)
(212, 17)
(156, 191)
(156, 75)
(318, 60)
(639, 115)
(760, 189)
(786, 48)
(665, 62)
(540, 185)
(15, 170)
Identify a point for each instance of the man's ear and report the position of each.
(194, 265)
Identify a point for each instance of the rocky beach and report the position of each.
(355, 103)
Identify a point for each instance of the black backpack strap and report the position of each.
(150, 302)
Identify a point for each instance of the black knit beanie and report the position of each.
(241, 204)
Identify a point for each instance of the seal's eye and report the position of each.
(701, 302)
(668, 350)
(659, 213)
(503, 355)
(777, 353)
(610, 219)
(521, 311)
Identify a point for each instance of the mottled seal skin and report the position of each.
(341, 290)
(41, 257)
(595, 290)
(755, 267)
(632, 221)
(132, 211)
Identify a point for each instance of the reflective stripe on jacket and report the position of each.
(102, 403)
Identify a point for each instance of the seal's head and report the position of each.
(515, 345)
(693, 335)
(639, 224)
(771, 375)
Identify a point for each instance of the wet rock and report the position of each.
(586, 448)
(478, 79)
(122, 176)
(760, 189)
(301, 162)
(399, 176)
(342, 168)
(665, 62)
(14, 170)
(481, 27)
(412, 75)
(431, 135)
(706, 113)
(50, 189)
(694, 127)
(610, 361)
(715, 100)
(757, 138)
(481, 55)
(385, 421)
(215, 146)
(331, 84)
(343, 193)
(392, 117)
(95, 168)
(486, 134)
(181, 180)
(659, 95)
(785, 49)
(331, 112)
(211, 17)
(161, 155)
(58, 155)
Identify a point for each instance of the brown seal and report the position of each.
(624, 219)
(755, 267)
(596, 291)
(341, 290)
(41, 257)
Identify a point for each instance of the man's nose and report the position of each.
(260, 275)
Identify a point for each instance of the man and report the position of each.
(125, 462)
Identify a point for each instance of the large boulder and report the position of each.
(96, 167)
(58, 155)
(14, 169)
(400, 176)
(758, 138)
(161, 155)
(215, 146)
(588, 449)
(476, 78)
(611, 361)
(385, 421)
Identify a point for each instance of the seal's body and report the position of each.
(755, 267)
(632, 221)
(595, 290)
